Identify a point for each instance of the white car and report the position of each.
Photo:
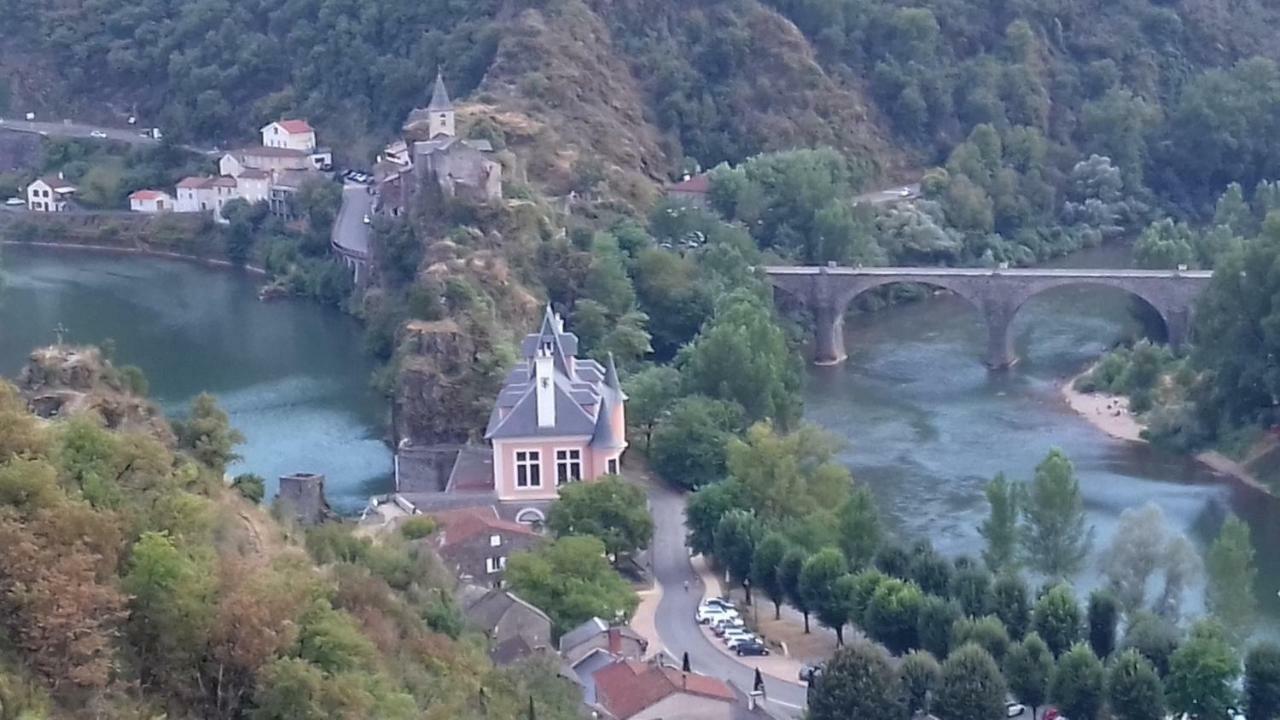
(1013, 709)
(366, 219)
(708, 615)
(15, 202)
(904, 192)
(733, 641)
(97, 134)
(718, 602)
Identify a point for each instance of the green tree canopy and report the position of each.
(208, 434)
(571, 580)
(1102, 617)
(609, 509)
(1231, 570)
(1134, 690)
(893, 613)
(1056, 618)
(1028, 666)
(860, 530)
(651, 393)
(1078, 684)
(1000, 529)
(859, 681)
(1054, 520)
(972, 686)
(764, 569)
(1262, 681)
(921, 676)
(818, 587)
(1202, 674)
(1010, 603)
(688, 445)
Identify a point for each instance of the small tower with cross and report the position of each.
(440, 111)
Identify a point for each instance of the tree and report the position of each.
(1134, 691)
(688, 445)
(1165, 244)
(1028, 666)
(789, 477)
(930, 571)
(208, 434)
(1202, 673)
(818, 586)
(893, 560)
(971, 587)
(1144, 549)
(1056, 618)
(986, 632)
(1229, 592)
(1000, 529)
(610, 509)
(972, 686)
(1154, 637)
(860, 530)
(651, 393)
(764, 569)
(1262, 681)
(934, 622)
(171, 606)
(251, 487)
(893, 613)
(920, 676)
(858, 589)
(1010, 603)
(859, 681)
(1103, 615)
(704, 510)
(571, 580)
(789, 571)
(1053, 519)
(1077, 686)
(742, 356)
(735, 543)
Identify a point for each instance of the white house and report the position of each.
(49, 194)
(151, 201)
(195, 194)
(254, 185)
(292, 134)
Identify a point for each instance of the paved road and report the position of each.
(350, 233)
(925, 272)
(73, 129)
(676, 625)
(890, 195)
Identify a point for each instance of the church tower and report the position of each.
(440, 111)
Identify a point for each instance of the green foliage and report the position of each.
(251, 487)
(1202, 674)
(765, 562)
(208, 434)
(1000, 529)
(688, 446)
(1056, 619)
(651, 394)
(1134, 690)
(972, 686)
(418, 527)
(1231, 574)
(1102, 616)
(1056, 541)
(818, 587)
(742, 355)
(571, 580)
(734, 541)
(971, 588)
(610, 509)
(936, 617)
(1155, 638)
(1165, 244)
(1010, 603)
(859, 528)
(920, 676)
(1028, 667)
(1142, 550)
(790, 571)
(789, 477)
(704, 510)
(893, 613)
(1078, 683)
(859, 681)
(1262, 681)
(170, 607)
(986, 632)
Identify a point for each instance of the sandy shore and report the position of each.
(1108, 413)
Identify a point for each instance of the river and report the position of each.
(926, 425)
(292, 375)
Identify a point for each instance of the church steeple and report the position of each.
(440, 111)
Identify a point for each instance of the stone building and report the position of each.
(475, 543)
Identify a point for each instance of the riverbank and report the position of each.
(1111, 415)
(144, 252)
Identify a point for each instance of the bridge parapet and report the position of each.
(997, 294)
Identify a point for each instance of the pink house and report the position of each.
(558, 419)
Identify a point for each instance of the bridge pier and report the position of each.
(999, 316)
(1177, 325)
(828, 335)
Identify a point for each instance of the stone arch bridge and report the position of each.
(997, 295)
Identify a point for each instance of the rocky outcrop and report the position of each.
(64, 380)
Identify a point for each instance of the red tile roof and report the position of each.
(148, 195)
(696, 184)
(223, 181)
(194, 182)
(458, 526)
(253, 174)
(629, 686)
(294, 127)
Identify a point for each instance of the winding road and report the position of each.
(72, 129)
(676, 626)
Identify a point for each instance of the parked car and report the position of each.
(720, 627)
(732, 642)
(708, 615)
(752, 647)
(366, 219)
(723, 602)
(15, 202)
(1013, 709)
(97, 134)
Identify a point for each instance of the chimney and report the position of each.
(545, 387)
(615, 641)
(559, 323)
(60, 177)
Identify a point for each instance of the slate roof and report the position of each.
(444, 142)
(57, 184)
(605, 435)
(440, 96)
(627, 687)
(489, 610)
(194, 182)
(457, 526)
(582, 633)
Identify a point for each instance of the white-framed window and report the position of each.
(495, 540)
(528, 468)
(613, 466)
(494, 564)
(568, 465)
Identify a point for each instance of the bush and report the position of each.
(418, 527)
